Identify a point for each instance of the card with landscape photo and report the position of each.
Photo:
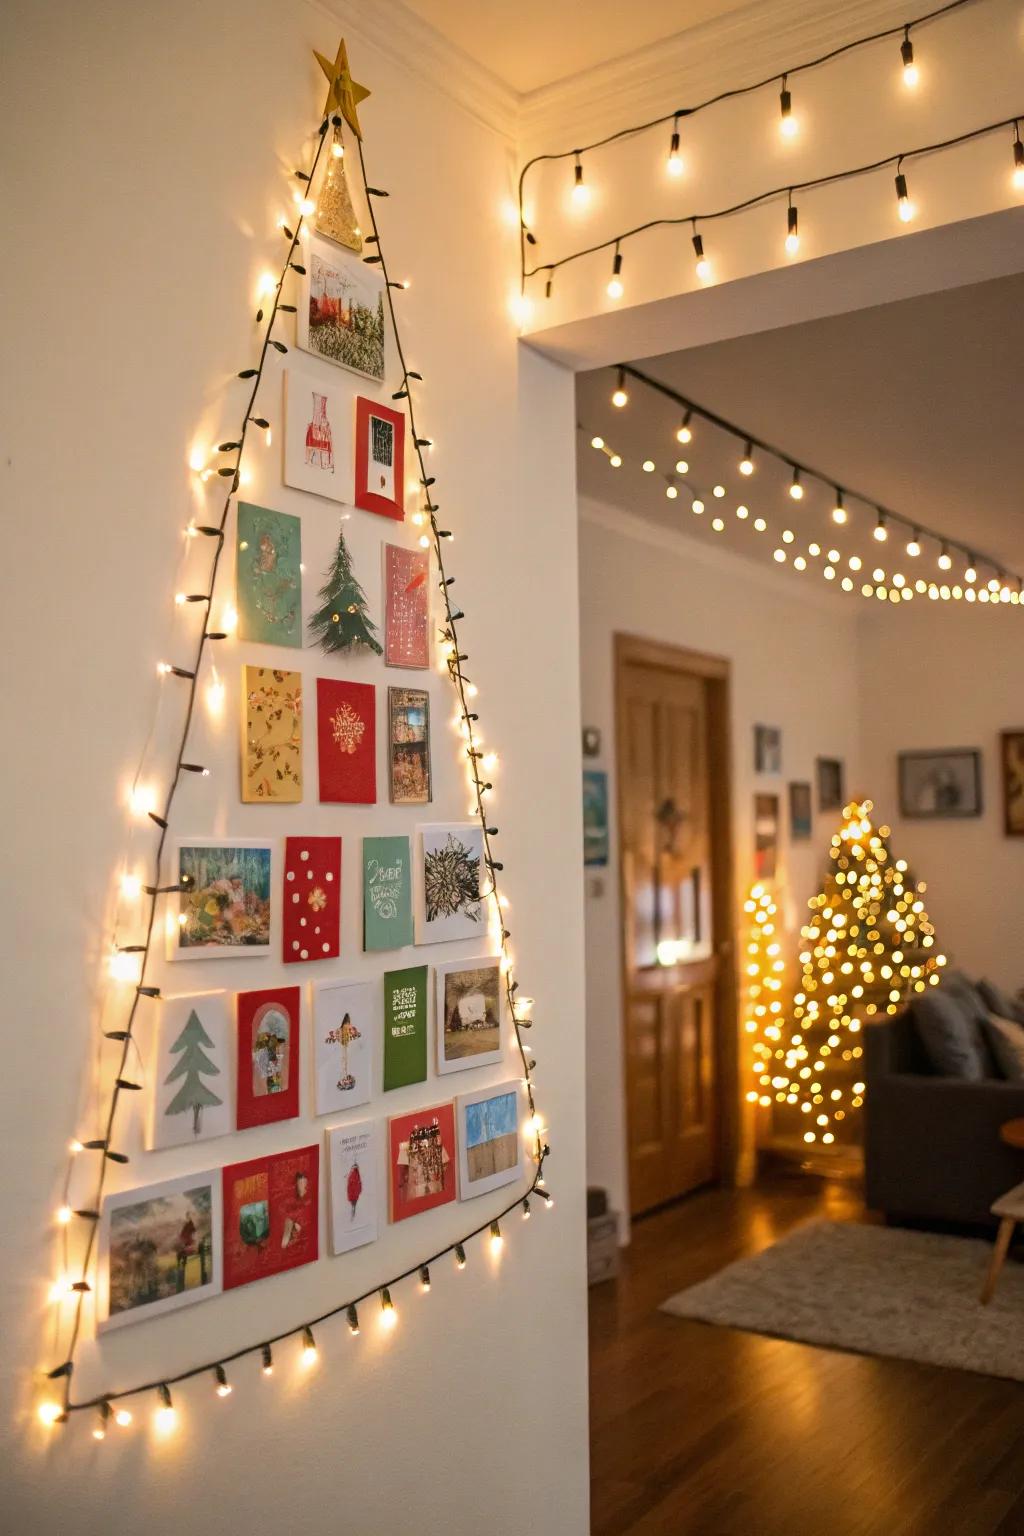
(467, 1013)
(160, 1249)
(409, 746)
(490, 1139)
(191, 1074)
(354, 1187)
(341, 310)
(225, 907)
(346, 1031)
(450, 858)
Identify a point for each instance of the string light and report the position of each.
(619, 395)
(702, 265)
(945, 560)
(388, 1315)
(792, 231)
(424, 1277)
(747, 461)
(796, 489)
(684, 433)
(910, 74)
(1018, 159)
(166, 1416)
(674, 164)
(880, 532)
(221, 1378)
(460, 1256)
(839, 514)
(122, 1417)
(788, 125)
(904, 207)
(310, 1353)
(580, 190)
(914, 544)
(615, 289)
(267, 1366)
(497, 1241)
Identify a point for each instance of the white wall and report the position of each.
(944, 675)
(794, 664)
(149, 151)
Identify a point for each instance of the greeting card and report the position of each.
(409, 746)
(160, 1249)
(191, 1074)
(387, 893)
(341, 310)
(268, 1056)
(317, 456)
(268, 576)
(346, 1030)
(311, 928)
(380, 459)
(421, 1158)
(271, 735)
(346, 741)
(490, 1141)
(353, 1175)
(467, 1008)
(271, 1215)
(406, 579)
(450, 862)
(225, 906)
(405, 1027)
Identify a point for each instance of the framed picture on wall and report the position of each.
(766, 836)
(940, 785)
(1012, 761)
(595, 816)
(800, 811)
(767, 749)
(831, 789)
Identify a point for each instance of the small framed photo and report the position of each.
(766, 836)
(160, 1249)
(799, 811)
(767, 749)
(940, 785)
(380, 459)
(831, 789)
(1012, 758)
(341, 310)
(467, 1010)
(595, 816)
(591, 741)
(409, 746)
(353, 1183)
(225, 907)
(490, 1139)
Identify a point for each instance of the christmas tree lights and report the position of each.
(763, 968)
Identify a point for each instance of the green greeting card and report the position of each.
(405, 1027)
(387, 893)
(268, 576)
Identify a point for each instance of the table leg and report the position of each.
(999, 1252)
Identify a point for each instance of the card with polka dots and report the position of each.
(312, 899)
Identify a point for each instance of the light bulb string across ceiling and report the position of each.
(786, 190)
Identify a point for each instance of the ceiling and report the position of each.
(535, 42)
(916, 404)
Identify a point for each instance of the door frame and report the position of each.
(716, 673)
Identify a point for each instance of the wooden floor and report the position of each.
(703, 1431)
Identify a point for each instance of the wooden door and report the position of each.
(668, 863)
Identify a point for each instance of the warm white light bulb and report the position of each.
(619, 397)
(597, 442)
(671, 492)
(615, 289)
(647, 466)
(615, 460)
(704, 269)
(910, 75)
(792, 243)
(684, 435)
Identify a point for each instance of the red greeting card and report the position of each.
(271, 1215)
(312, 898)
(268, 1056)
(380, 459)
(346, 741)
(421, 1160)
(406, 577)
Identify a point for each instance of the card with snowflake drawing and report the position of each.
(346, 741)
(406, 617)
(268, 576)
(311, 929)
(450, 858)
(317, 454)
(271, 736)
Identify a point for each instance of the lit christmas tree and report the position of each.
(763, 969)
(342, 621)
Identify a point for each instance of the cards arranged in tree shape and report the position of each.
(317, 456)
(268, 1056)
(405, 1027)
(341, 310)
(268, 576)
(346, 741)
(353, 1176)
(271, 1215)
(225, 906)
(387, 893)
(406, 601)
(191, 1072)
(346, 1030)
(311, 920)
(467, 1010)
(160, 1249)
(271, 735)
(380, 459)
(421, 1158)
(449, 865)
(490, 1139)
(409, 746)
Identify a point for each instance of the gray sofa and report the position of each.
(931, 1144)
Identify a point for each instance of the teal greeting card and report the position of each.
(387, 893)
(268, 576)
(405, 1027)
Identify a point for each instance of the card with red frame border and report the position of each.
(380, 459)
(269, 1025)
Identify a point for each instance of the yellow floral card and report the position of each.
(271, 735)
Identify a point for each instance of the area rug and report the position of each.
(876, 1291)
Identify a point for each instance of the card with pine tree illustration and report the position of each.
(271, 1212)
(268, 1056)
(342, 620)
(409, 746)
(311, 929)
(406, 604)
(272, 736)
(405, 1027)
(268, 576)
(450, 865)
(346, 741)
(387, 893)
(191, 1074)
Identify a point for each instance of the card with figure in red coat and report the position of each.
(312, 899)
(346, 733)
(406, 607)
(268, 1056)
(271, 1215)
(421, 1160)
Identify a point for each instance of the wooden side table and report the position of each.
(1010, 1209)
(1012, 1132)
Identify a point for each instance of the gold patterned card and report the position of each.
(271, 735)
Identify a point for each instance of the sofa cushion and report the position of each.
(1006, 1042)
(969, 996)
(999, 1002)
(951, 1037)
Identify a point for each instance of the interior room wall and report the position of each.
(149, 153)
(794, 664)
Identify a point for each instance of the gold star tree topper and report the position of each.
(343, 93)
